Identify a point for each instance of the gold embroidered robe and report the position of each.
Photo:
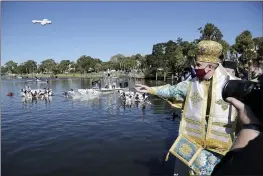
(200, 140)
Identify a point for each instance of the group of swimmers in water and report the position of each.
(133, 96)
(40, 93)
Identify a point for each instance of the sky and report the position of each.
(104, 29)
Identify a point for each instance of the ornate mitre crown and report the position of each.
(209, 51)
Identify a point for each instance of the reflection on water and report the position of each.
(103, 136)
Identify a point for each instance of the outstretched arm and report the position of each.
(168, 91)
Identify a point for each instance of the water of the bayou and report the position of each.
(90, 138)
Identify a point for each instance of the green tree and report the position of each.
(84, 63)
(259, 47)
(233, 52)
(170, 56)
(158, 52)
(11, 66)
(22, 69)
(4, 69)
(48, 65)
(191, 53)
(210, 32)
(64, 65)
(245, 46)
(98, 67)
(72, 67)
(186, 47)
(30, 66)
(177, 61)
(226, 48)
(117, 58)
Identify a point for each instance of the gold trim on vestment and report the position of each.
(199, 149)
(209, 137)
(194, 139)
(220, 133)
(224, 105)
(195, 98)
(193, 130)
(192, 121)
(178, 104)
(182, 124)
(206, 87)
(213, 144)
(152, 91)
(218, 146)
(221, 124)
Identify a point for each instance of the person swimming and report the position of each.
(34, 95)
(10, 94)
(137, 97)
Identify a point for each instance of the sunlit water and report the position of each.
(72, 137)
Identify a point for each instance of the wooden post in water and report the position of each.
(172, 79)
(156, 76)
(164, 76)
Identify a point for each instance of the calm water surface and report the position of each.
(95, 138)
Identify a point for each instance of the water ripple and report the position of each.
(71, 137)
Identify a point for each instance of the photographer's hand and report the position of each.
(245, 116)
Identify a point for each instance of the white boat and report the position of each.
(112, 84)
(41, 81)
(37, 80)
(89, 92)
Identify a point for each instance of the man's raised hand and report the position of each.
(142, 88)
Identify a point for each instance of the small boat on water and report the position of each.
(37, 80)
(40, 81)
(110, 84)
(82, 94)
(89, 92)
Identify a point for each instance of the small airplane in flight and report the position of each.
(42, 22)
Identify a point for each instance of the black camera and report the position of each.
(249, 92)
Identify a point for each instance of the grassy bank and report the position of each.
(78, 75)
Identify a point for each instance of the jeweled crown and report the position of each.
(209, 51)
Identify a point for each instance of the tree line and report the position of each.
(171, 56)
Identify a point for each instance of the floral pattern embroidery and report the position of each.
(185, 149)
(223, 104)
(205, 163)
(195, 98)
(212, 159)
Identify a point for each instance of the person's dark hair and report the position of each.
(231, 65)
(221, 57)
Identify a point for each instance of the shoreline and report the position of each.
(78, 75)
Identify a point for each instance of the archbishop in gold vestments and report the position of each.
(208, 123)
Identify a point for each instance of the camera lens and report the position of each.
(237, 88)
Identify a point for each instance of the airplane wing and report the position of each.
(36, 21)
(42, 22)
